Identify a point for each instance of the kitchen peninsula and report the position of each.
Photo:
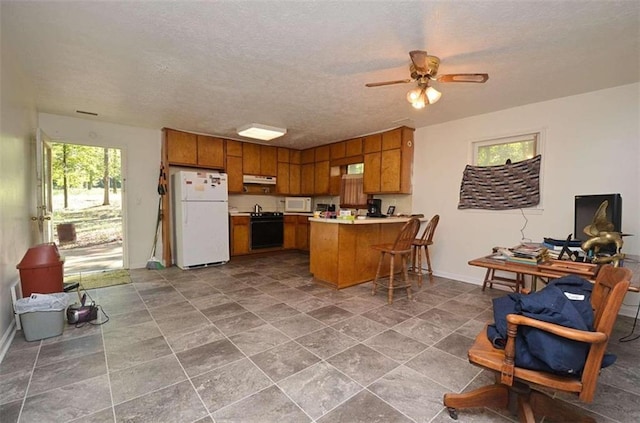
(340, 251)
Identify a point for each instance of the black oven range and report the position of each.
(267, 230)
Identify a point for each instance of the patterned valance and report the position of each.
(508, 186)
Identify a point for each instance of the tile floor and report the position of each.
(259, 341)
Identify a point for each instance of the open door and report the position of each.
(44, 204)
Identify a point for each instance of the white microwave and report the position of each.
(297, 204)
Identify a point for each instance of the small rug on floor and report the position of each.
(94, 280)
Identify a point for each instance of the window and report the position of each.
(352, 187)
(355, 169)
(498, 151)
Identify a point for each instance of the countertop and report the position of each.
(365, 221)
(247, 214)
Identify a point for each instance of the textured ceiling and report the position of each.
(211, 67)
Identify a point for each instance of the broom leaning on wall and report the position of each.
(154, 263)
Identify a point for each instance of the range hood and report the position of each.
(260, 180)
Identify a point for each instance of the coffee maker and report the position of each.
(374, 208)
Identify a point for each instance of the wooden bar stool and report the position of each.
(423, 242)
(402, 248)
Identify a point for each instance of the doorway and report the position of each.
(87, 218)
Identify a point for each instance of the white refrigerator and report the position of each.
(200, 218)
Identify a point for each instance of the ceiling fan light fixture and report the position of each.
(417, 98)
(261, 132)
(433, 95)
(414, 94)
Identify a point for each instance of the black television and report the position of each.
(586, 207)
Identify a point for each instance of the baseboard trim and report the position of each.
(6, 340)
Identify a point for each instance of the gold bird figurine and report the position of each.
(602, 233)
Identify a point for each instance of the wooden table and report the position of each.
(545, 271)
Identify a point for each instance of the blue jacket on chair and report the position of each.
(565, 301)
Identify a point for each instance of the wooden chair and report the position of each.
(423, 242)
(402, 248)
(608, 292)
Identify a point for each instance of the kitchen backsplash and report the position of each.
(245, 203)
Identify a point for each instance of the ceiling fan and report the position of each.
(424, 69)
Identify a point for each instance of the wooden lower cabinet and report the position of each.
(296, 234)
(290, 223)
(341, 254)
(302, 233)
(239, 235)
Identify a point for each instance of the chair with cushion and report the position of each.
(402, 248)
(514, 382)
(423, 242)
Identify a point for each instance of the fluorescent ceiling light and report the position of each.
(261, 132)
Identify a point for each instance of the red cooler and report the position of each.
(41, 270)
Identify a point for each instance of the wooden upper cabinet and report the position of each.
(308, 156)
(234, 174)
(353, 147)
(295, 156)
(372, 143)
(283, 155)
(389, 170)
(322, 153)
(182, 147)
(234, 148)
(321, 178)
(392, 139)
(390, 163)
(251, 158)
(268, 160)
(283, 178)
(371, 177)
(338, 150)
(307, 179)
(210, 152)
(294, 179)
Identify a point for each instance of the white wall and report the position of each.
(591, 146)
(18, 125)
(141, 163)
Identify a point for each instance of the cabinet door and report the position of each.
(290, 223)
(210, 152)
(321, 178)
(371, 177)
(283, 154)
(338, 150)
(182, 147)
(283, 178)
(295, 156)
(390, 172)
(372, 143)
(353, 147)
(234, 174)
(234, 148)
(239, 235)
(294, 179)
(307, 183)
(392, 139)
(268, 160)
(323, 153)
(251, 158)
(302, 233)
(308, 156)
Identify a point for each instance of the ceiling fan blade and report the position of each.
(419, 59)
(463, 77)
(380, 84)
